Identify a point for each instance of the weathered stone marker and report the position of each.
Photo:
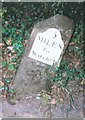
(46, 46)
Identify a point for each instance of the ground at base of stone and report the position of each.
(33, 107)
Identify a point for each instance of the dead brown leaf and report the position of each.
(1, 83)
(53, 101)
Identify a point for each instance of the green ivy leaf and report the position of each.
(4, 88)
(7, 81)
(11, 67)
(14, 59)
(3, 30)
(4, 63)
(11, 91)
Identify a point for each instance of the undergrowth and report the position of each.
(17, 23)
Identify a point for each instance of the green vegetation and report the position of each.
(18, 20)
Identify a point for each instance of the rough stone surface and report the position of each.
(31, 76)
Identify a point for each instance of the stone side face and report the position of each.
(31, 76)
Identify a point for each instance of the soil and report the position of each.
(34, 107)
